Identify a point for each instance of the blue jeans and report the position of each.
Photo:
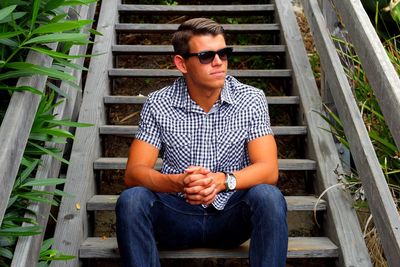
(147, 221)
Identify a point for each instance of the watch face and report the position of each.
(231, 183)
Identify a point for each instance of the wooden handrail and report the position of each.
(381, 204)
(382, 75)
(16, 126)
(27, 250)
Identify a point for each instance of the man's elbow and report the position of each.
(129, 179)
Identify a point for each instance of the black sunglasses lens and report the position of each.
(207, 57)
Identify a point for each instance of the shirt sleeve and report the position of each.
(148, 130)
(260, 122)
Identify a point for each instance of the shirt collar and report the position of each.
(182, 99)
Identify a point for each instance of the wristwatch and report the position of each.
(230, 182)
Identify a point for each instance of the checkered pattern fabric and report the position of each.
(217, 140)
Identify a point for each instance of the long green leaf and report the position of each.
(4, 12)
(53, 53)
(5, 35)
(49, 152)
(69, 123)
(40, 70)
(8, 42)
(65, 63)
(21, 231)
(77, 2)
(46, 138)
(51, 5)
(6, 253)
(15, 16)
(21, 88)
(55, 132)
(46, 244)
(37, 198)
(58, 90)
(60, 37)
(35, 11)
(61, 26)
(44, 182)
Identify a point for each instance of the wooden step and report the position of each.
(130, 130)
(196, 10)
(148, 28)
(272, 100)
(158, 73)
(294, 203)
(168, 49)
(284, 164)
(299, 247)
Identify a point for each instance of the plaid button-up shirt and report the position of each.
(217, 140)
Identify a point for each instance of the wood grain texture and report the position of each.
(168, 49)
(284, 164)
(381, 74)
(342, 226)
(72, 222)
(299, 247)
(272, 100)
(27, 249)
(170, 28)
(196, 10)
(386, 217)
(294, 203)
(157, 73)
(16, 126)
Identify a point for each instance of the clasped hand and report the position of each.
(199, 185)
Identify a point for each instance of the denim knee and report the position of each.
(134, 200)
(269, 198)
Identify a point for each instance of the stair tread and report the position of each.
(272, 100)
(195, 9)
(299, 247)
(130, 130)
(168, 49)
(119, 163)
(152, 73)
(150, 27)
(294, 203)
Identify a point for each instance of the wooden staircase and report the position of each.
(339, 241)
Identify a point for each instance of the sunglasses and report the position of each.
(207, 57)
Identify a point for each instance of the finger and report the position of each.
(208, 181)
(193, 190)
(193, 178)
(207, 191)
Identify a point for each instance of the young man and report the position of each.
(217, 184)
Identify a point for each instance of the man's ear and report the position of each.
(179, 62)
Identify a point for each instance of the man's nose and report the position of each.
(217, 60)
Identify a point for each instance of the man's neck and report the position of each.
(205, 98)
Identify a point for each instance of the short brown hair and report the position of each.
(197, 26)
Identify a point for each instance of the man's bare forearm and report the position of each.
(140, 175)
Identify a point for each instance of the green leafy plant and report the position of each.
(33, 26)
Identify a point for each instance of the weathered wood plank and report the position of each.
(156, 73)
(343, 226)
(170, 28)
(168, 49)
(284, 164)
(294, 203)
(381, 204)
(131, 130)
(72, 222)
(299, 247)
(380, 71)
(193, 10)
(272, 100)
(16, 126)
(27, 249)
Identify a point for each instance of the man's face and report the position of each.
(207, 76)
